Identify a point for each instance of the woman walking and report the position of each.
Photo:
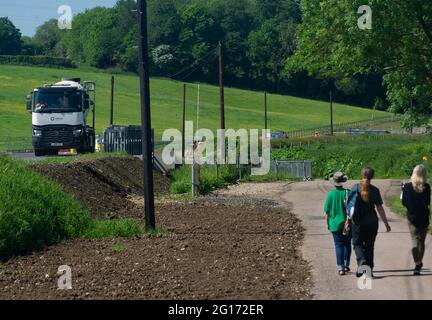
(334, 209)
(365, 221)
(416, 197)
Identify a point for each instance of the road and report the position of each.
(26, 156)
(393, 270)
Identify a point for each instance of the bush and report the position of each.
(35, 212)
(41, 61)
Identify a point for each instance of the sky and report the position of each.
(27, 15)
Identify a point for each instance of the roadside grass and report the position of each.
(396, 206)
(35, 212)
(209, 181)
(243, 108)
(391, 156)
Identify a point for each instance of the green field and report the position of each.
(244, 109)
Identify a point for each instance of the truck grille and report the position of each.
(57, 135)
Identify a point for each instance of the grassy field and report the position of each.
(244, 109)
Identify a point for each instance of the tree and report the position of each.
(48, 37)
(10, 37)
(29, 47)
(199, 35)
(92, 40)
(399, 45)
(236, 20)
(164, 23)
(274, 41)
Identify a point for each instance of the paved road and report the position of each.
(393, 260)
(26, 156)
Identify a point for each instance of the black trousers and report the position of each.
(363, 238)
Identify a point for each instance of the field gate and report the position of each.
(297, 169)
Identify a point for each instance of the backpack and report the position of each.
(353, 210)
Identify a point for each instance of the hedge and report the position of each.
(42, 61)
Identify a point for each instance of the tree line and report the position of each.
(304, 48)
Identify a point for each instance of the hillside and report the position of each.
(244, 109)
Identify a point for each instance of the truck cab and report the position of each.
(59, 117)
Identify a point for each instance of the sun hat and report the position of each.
(338, 179)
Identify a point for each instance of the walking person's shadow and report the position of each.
(424, 273)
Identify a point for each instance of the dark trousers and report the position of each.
(418, 238)
(343, 249)
(363, 237)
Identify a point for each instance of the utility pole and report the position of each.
(331, 114)
(265, 111)
(222, 100)
(150, 223)
(184, 122)
(112, 102)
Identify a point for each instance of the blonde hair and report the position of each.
(367, 174)
(418, 178)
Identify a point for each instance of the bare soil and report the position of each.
(217, 247)
(103, 185)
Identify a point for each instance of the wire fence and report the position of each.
(342, 127)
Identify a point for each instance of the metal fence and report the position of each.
(297, 169)
(124, 139)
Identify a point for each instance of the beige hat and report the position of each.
(339, 179)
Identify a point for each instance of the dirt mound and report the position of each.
(102, 185)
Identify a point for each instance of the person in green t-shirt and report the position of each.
(334, 209)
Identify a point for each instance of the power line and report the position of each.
(199, 61)
(195, 69)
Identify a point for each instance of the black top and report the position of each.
(417, 205)
(368, 213)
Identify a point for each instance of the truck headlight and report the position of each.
(77, 132)
(37, 133)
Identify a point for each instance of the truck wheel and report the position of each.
(39, 152)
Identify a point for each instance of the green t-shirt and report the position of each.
(335, 207)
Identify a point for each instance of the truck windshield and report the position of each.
(46, 102)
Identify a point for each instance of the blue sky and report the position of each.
(27, 15)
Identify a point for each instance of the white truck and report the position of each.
(59, 117)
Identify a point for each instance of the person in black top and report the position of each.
(365, 226)
(416, 197)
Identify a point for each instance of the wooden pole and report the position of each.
(112, 102)
(184, 122)
(150, 223)
(222, 102)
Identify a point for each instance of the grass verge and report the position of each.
(392, 157)
(35, 213)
